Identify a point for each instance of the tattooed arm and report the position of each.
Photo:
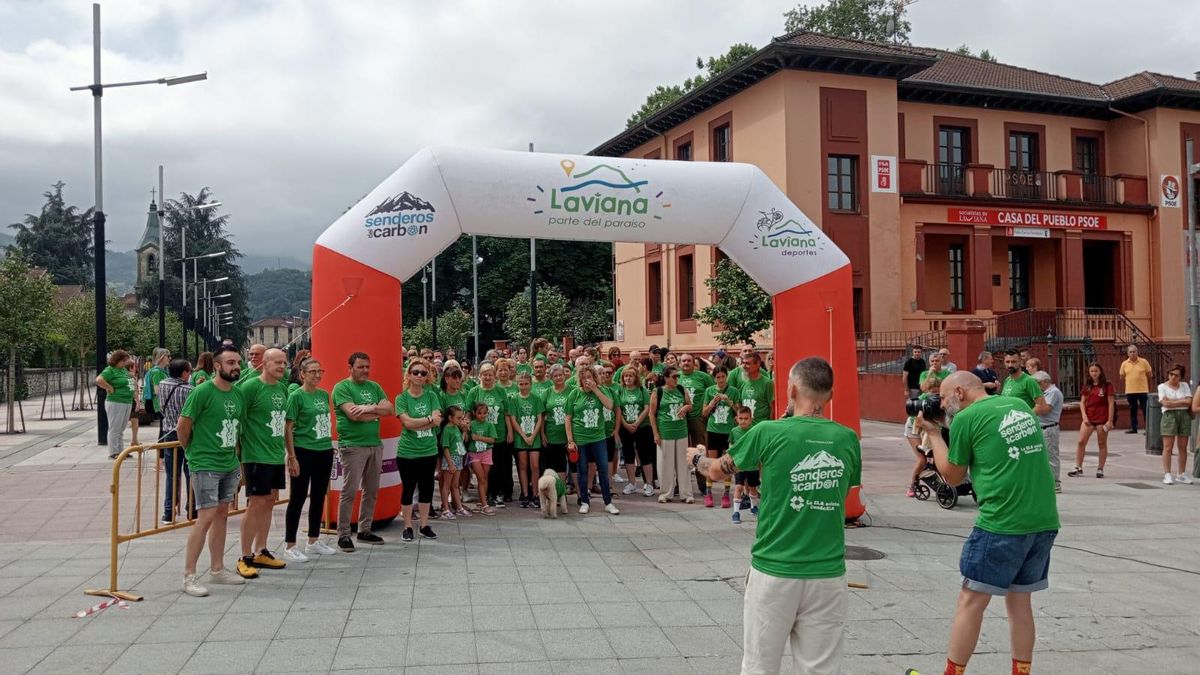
(714, 468)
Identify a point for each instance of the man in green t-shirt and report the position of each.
(758, 390)
(208, 430)
(358, 405)
(264, 457)
(253, 368)
(1020, 384)
(999, 440)
(797, 580)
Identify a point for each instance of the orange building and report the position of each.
(959, 188)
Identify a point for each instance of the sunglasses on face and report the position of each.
(454, 375)
(418, 373)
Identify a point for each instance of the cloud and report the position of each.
(311, 104)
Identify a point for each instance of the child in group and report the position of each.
(453, 451)
(919, 440)
(746, 482)
(483, 436)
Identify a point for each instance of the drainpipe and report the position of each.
(1150, 231)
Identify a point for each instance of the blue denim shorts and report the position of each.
(998, 563)
(215, 487)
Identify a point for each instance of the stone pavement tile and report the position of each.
(443, 648)
(41, 632)
(884, 636)
(516, 668)
(571, 645)
(650, 591)
(620, 614)
(8, 584)
(899, 605)
(7, 626)
(436, 574)
(635, 573)
(440, 620)
(339, 578)
(441, 595)
(154, 659)
(613, 545)
(111, 627)
(354, 653)
(586, 667)
(312, 624)
(500, 573)
(248, 626)
(386, 576)
(569, 544)
(497, 594)
(226, 657)
(882, 665)
(710, 590)
(688, 571)
(288, 656)
(21, 659)
(723, 664)
(386, 597)
(517, 617)
(320, 599)
(538, 572)
(635, 557)
(552, 592)
(509, 646)
(656, 666)
(591, 573)
(640, 642)
(179, 628)
(677, 613)
(581, 558)
(218, 601)
(24, 607)
(263, 599)
(94, 658)
(569, 615)
(604, 591)
(723, 612)
(451, 669)
(365, 622)
(701, 641)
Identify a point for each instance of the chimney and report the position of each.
(1197, 75)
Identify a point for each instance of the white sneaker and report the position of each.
(629, 489)
(612, 509)
(193, 587)
(618, 478)
(1168, 479)
(648, 490)
(319, 547)
(225, 578)
(583, 508)
(294, 555)
(1184, 478)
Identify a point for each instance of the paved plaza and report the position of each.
(657, 589)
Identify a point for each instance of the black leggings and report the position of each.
(500, 476)
(416, 473)
(639, 445)
(312, 481)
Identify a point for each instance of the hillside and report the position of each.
(278, 292)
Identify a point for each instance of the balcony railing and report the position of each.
(1015, 184)
(947, 179)
(985, 182)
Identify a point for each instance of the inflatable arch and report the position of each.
(442, 193)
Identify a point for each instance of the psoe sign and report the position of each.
(1017, 218)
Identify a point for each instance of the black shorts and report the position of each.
(261, 479)
(718, 442)
(748, 478)
(554, 456)
(639, 446)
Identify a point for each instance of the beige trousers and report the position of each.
(810, 613)
(672, 464)
(361, 467)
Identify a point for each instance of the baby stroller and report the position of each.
(931, 483)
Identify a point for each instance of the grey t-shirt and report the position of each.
(1054, 398)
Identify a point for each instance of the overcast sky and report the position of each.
(311, 104)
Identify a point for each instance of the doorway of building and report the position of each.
(1100, 273)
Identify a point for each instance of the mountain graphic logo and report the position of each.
(821, 460)
(788, 235)
(1013, 417)
(405, 201)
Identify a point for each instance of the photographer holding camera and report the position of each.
(999, 440)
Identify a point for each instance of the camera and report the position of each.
(930, 407)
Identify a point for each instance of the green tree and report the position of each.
(419, 335)
(554, 317)
(59, 239)
(591, 320)
(662, 96)
(742, 308)
(279, 292)
(860, 19)
(26, 298)
(966, 51)
(454, 327)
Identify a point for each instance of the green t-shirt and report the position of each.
(421, 443)
(352, 434)
(540, 388)
(199, 377)
(587, 418)
(216, 419)
(657, 368)
(560, 487)
(496, 400)
(610, 416)
(735, 377)
(670, 425)
(808, 465)
(632, 402)
(452, 438)
(1001, 441)
(248, 373)
(696, 384)
(155, 375)
(524, 368)
(266, 413)
(556, 415)
(459, 399)
(939, 374)
(1023, 387)
(485, 429)
(720, 421)
(524, 411)
(735, 434)
(121, 383)
(758, 395)
(311, 418)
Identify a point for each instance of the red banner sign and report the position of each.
(1016, 218)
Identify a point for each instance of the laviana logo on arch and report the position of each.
(786, 236)
(401, 215)
(600, 196)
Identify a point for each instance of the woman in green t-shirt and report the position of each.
(501, 482)
(586, 435)
(419, 408)
(669, 406)
(453, 392)
(632, 406)
(554, 433)
(204, 369)
(117, 382)
(719, 400)
(604, 375)
(306, 433)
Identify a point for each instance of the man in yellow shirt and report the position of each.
(1135, 372)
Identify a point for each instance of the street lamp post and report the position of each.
(182, 259)
(98, 218)
(475, 260)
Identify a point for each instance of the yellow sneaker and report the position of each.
(245, 570)
(266, 560)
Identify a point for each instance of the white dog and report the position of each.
(548, 494)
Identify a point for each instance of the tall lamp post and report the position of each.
(183, 261)
(475, 260)
(196, 287)
(162, 260)
(98, 218)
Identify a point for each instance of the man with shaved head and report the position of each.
(1000, 441)
(265, 464)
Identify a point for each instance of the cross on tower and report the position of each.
(152, 193)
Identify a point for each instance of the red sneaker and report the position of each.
(725, 501)
(708, 500)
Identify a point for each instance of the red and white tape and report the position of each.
(121, 604)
